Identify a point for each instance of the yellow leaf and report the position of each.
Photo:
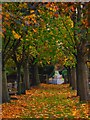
(51, 8)
(17, 36)
(74, 113)
(32, 11)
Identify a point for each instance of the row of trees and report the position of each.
(79, 17)
(45, 33)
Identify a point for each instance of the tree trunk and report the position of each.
(73, 76)
(77, 78)
(23, 86)
(19, 82)
(82, 76)
(36, 80)
(0, 78)
(65, 79)
(69, 75)
(88, 39)
(26, 76)
(78, 18)
(5, 93)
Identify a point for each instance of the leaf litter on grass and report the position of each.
(46, 101)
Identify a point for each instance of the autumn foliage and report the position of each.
(42, 34)
(46, 101)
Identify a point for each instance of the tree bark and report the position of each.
(77, 76)
(73, 76)
(82, 76)
(26, 76)
(5, 93)
(36, 80)
(23, 86)
(81, 68)
(88, 39)
(69, 75)
(19, 82)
